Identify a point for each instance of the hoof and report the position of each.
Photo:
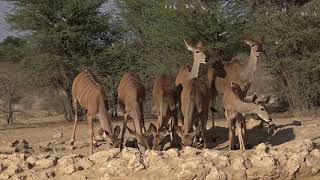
(72, 142)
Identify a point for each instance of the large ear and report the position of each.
(249, 42)
(152, 129)
(117, 130)
(190, 48)
(263, 100)
(132, 131)
(252, 98)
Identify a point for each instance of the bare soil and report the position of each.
(291, 150)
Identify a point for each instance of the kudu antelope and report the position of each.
(131, 94)
(194, 98)
(89, 93)
(241, 74)
(186, 72)
(235, 107)
(165, 99)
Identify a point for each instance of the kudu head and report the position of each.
(256, 46)
(144, 139)
(261, 110)
(187, 139)
(113, 138)
(198, 52)
(260, 102)
(159, 137)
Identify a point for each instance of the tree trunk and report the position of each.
(9, 117)
(69, 111)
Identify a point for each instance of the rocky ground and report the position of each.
(291, 151)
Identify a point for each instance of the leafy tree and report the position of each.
(67, 36)
(291, 32)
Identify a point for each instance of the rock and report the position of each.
(136, 164)
(44, 144)
(211, 153)
(75, 176)
(65, 161)
(306, 145)
(153, 157)
(263, 162)
(199, 166)
(20, 145)
(104, 156)
(50, 174)
(46, 163)
(316, 153)
(153, 153)
(2, 167)
(128, 153)
(293, 164)
(13, 169)
(67, 170)
(85, 163)
(261, 148)
(313, 162)
(19, 177)
(280, 155)
(4, 176)
(42, 156)
(263, 167)
(114, 167)
(186, 174)
(190, 151)
(31, 160)
(216, 174)
(238, 164)
(57, 136)
(173, 152)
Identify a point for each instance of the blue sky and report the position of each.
(5, 31)
(6, 8)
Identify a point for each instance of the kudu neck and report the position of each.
(195, 69)
(245, 108)
(250, 65)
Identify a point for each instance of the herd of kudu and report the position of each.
(188, 95)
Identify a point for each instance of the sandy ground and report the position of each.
(288, 133)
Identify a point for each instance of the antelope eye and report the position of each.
(262, 109)
(197, 51)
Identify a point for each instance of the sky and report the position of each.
(5, 31)
(6, 8)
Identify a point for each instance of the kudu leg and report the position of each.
(90, 127)
(75, 107)
(203, 121)
(244, 131)
(124, 128)
(231, 125)
(240, 137)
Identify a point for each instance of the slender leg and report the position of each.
(239, 129)
(181, 114)
(244, 131)
(203, 121)
(160, 116)
(212, 111)
(233, 136)
(90, 127)
(231, 132)
(124, 128)
(75, 106)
